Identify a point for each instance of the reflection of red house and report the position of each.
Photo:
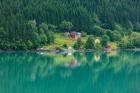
(72, 64)
(108, 48)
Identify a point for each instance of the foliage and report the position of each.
(126, 42)
(98, 46)
(84, 34)
(131, 41)
(52, 27)
(137, 27)
(78, 44)
(66, 25)
(114, 35)
(136, 39)
(65, 46)
(98, 31)
(44, 26)
(89, 43)
(105, 40)
(43, 37)
(24, 21)
(50, 37)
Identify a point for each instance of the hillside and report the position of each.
(20, 20)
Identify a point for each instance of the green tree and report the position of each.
(33, 35)
(43, 37)
(126, 42)
(98, 31)
(50, 37)
(105, 40)
(137, 27)
(89, 43)
(44, 27)
(114, 35)
(66, 25)
(84, 34)
(20, 45)
(52, 27)
(118, 27)
(78, 44)
(29, 44)
(3, 38)
(135, 37)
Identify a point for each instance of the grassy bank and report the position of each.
(61, 40)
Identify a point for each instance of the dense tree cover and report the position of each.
(78, 44)
(105, 40)
(66, 26)
(89, 43)
(33, 37)
(22, 22)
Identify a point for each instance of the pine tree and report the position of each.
(89, 43)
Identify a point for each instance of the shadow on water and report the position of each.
(86, 72)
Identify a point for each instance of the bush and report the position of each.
(137, 27)
(126, 43)
(66, 25)
(84, 34)
(136, 39)
(50, 37)
(78, 44)
(65, 46)
(105, 40)
(98, 31)
(114, 35)
(29, 44)
(89, 43)
(136, 42)
(20, 45)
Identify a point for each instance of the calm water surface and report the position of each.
(89, 72)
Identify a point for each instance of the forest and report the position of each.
(30, 24)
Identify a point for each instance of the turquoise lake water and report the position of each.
(85, 72)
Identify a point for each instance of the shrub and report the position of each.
(50, 37)
(126, 43)
(89, 43)
(114, 35)
(136, 39)
(105, 40)
(65, 46)
(78, 44)
(84, 34)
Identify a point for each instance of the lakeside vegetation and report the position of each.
(32, 24)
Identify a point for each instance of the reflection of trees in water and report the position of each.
(43, 66)
(77, 56)
(126, 60)
(123, 67)
(36, 65)
(89, 56)
(116, 62)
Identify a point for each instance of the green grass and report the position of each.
(60, 40)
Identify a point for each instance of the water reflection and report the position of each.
(88, 72)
